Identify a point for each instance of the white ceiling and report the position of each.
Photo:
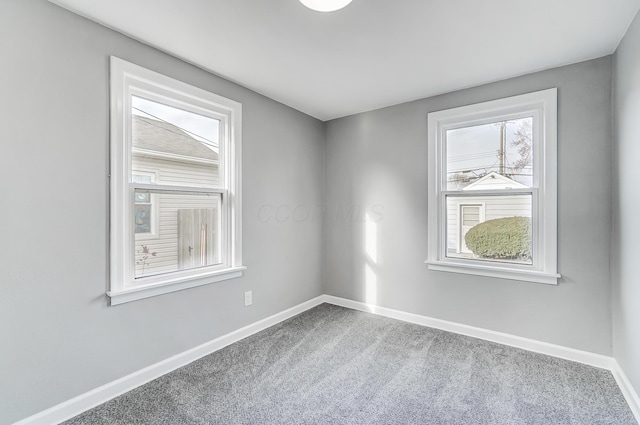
(373, 53)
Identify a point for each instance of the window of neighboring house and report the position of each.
(492, 188)
(175, 185)
(144, 211)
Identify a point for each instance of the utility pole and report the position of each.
(501, 152)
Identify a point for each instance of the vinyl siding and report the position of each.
(164, 240)
(494, 207)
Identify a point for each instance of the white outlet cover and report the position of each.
(248, 298)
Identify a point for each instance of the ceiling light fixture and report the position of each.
(325, 5)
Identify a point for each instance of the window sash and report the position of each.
(225, 244)
(152, 187)
(537, 236)
(177, 274)
(177, 100)
(492, 192)
(488, 118)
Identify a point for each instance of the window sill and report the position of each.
(493, 271)
(151, 290)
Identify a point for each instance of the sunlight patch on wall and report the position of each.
(371, 257)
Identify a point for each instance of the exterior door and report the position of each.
(469, 217)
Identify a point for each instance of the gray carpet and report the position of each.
(332, 365)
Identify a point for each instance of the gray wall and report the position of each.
(626, 248)
(58, 336)
(378, 160)
(60, 339)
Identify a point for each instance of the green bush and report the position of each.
(502, 238)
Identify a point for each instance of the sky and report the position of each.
(476, 149)
(198, 126)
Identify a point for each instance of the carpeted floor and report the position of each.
(332, 365)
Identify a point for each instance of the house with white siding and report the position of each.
(465, 212)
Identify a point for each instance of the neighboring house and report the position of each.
(174, 237)
(465, 212)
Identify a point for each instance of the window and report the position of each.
(175, 185)
(492, 188)
(144, 212)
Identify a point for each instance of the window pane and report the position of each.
(188, 233)
(143, 197)
(142, 216)
(137, 178)
(181, 147)
(490, 228)
(490, 156)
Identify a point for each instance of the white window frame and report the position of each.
(128, 79)
(542, 106)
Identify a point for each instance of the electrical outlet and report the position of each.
(248, 298)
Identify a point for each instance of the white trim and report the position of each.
(172, 284)
(70, 408)
(128, 79)
(591, 359)
(633, 400)
(488, 270)
(172, 188)
(542, 106)
(585, 357)
(497, 192)
(95, 397)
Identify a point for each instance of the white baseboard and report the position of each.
(585, 357)
(93, 398)
(627, 389)
(592, 359)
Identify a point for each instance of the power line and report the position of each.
(177, 126)
(482, 167)
(166, 129)
(470, 155)
(471, 170)
(470, 158)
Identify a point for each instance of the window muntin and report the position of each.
(496, 159)
(175, 185)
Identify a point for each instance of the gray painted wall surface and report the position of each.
(378, 160)
(626, 251)
(58, 337)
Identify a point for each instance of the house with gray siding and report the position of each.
(168, 236)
